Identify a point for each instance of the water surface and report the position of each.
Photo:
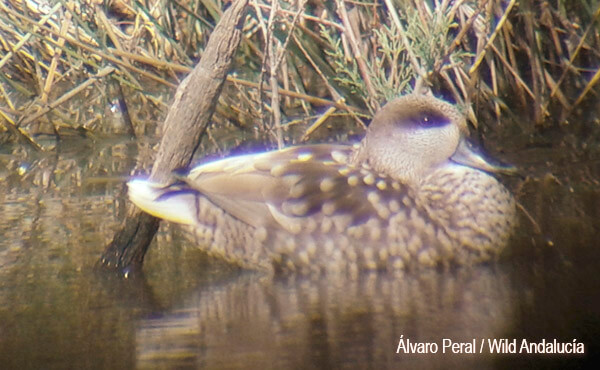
(186, 310)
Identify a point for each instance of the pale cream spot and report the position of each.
(382, 212)
(368, 254)
(369, 179)
(341, 222)
(406, 201)
(353, 180)
(374, 227)
(297, 190)
(326, 225)
(290, 265)
(303, 258)
(414, 244)
(394, 205)
(278, 170)
(394, 249)
(452, 197)
(425, 258)
(417, 221)
(290, 245)
(328, 247)
(304, 157)
(406, 256)
(328, 208)
(351, 255)
(336, 256)
(398, 264)
(435, 197)
(342, 242)
(370, 265)
(383, 255)
(356, 231)
(396, 185)
(311, 248)
(430, 231)
(373, 197)
(381, 185)
(327, 185)
(294, 228)
(375, 233)
(256, 256)
(299, 209)
(344, 171)
(310, 226)
(339, 157)
(260, 234)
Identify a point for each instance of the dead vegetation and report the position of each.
(306, 70)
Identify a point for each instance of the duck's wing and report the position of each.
(275, 189)
(268, 189)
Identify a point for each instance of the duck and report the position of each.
(413, 193)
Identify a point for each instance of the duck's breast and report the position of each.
(476, 211)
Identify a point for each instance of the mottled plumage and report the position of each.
(410, 194)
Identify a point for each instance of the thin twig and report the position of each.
(318, 123)
(492, 37)
(309, 17)
(90, 49)
(19, 132)
(351, 34)
(69, 95)
(57, 53)
(458, 39)
(24, 40)
(512, 71)
(289, 36)
(272, 47)
(411, 55)
(263, 68)
(576, 52)
(587, 88)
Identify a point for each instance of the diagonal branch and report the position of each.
(188, 117)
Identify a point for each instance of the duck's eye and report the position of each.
(431, 119)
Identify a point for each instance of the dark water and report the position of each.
(187, 310)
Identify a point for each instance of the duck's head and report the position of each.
(413, 135)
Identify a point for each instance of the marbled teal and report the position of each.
(411, 194)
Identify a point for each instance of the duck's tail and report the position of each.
(176, 202)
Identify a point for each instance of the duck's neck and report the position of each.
(391, 162)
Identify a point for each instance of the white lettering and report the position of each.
(405, 346)
(551, 347)
(458, 347)
(502, 346)
(494, 345)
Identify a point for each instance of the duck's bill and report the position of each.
(466, 156)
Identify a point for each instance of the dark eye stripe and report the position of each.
(430, 119)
